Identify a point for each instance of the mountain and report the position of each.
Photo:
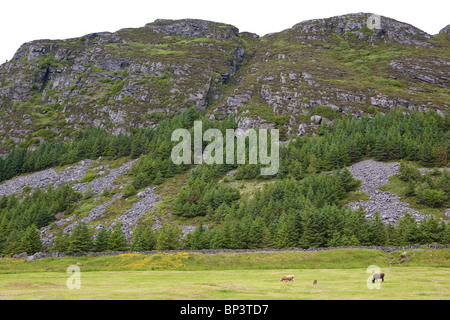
(136, 77)
(86, 126)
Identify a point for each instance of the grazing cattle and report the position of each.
(378, 276)
(287, 278)
(315, 281)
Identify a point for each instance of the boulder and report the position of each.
(20, 255)
(316, 119)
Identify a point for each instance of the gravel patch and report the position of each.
(107, 181)
(131, 216)
(373, 175)
(44, 178)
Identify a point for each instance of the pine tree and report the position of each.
(379, 233)
(441, 156)
(392, 235)
(199, 239)
(80, 239)
(31, 241)
(61, 242)
(310, 231)
(217, 239)
(12, 243)
(116, 240)
(141, 240)
(408, 230)
(353, 151)
(101, 240)
(380, 151)
(105, 192)
(395, 149)
(337, 240)
(348, 182)
(283, 239)
(410, 189)
(266, 238)
(255, 235)
(168, 238)
(158, 178)
(431, 230)
(427, 155)
(433, 198)
(237, 240)
(353, 241)
(44, 217)
(446, 234)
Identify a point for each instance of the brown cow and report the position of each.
(288, 278)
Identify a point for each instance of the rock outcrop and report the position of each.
(127, 77)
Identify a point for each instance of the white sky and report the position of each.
(25, 20)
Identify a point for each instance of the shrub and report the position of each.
(129, 191)
(46, 133)
(433, 198)
(88, 177)
(408, 172)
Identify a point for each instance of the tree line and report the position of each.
(285, 213)
(422, 137)
(301, 206)
(20, 218)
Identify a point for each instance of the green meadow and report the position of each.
(340, 274)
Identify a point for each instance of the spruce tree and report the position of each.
(283, 239)
(379, 233)
(349, 183)
(336, 240)
(199, 239)
(80, 239)
(380, 150)
(116, 240)
(310, 231)
(217, 239)
(158, 178)
(31, 241)
(61, 242)
(168, 238)
(255, 235)
(408, 230)
(427, 155)
(101, 240)
(410, 189)
(431, 230)
(392, 235)
(446, 234)
(140, 240)
(238, 237)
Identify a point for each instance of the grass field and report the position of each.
(341, 274)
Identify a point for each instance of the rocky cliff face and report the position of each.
(136, 77)
(125, 78)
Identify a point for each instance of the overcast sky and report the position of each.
(25, 20)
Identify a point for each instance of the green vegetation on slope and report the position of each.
(303, 206)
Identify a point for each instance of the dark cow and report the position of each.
(378, 276)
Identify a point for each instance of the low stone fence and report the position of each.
(41, 255)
